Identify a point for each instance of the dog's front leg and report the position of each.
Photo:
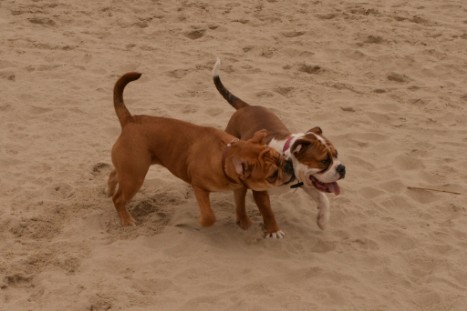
(206, 217)
(324, 210)
(264, 206)
(242, 218)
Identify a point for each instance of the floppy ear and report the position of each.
(259, 137)
(242, 168)
(316, 130)
(300, 146)
(266, 153)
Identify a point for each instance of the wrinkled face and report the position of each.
(260, 167)
(316, 163)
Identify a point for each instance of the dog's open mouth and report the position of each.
(331, 187)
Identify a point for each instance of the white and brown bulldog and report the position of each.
(209, 159)
(314, 158)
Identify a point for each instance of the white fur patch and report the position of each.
(215, 70)
(275, 235)
(277, 144)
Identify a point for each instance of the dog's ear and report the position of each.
(242, 168)
(259, 137)
(267, 153)
(300, 146)
(316, 130)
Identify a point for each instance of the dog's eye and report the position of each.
(273, 177)
(326, 161)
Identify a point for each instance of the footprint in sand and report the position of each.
(364, 243)
(374, 40)
(293, 34)
(100, 168)
(68, 264)
(327, 16)
(310, 69)
(8, 75)
(178, 73)
(35, 228)
(155, 213)
(195, 34)
(397, 77)
(264, 94)
(267, 52)
(44, 21)
(284, 90)
(17, 280)
(61, 191)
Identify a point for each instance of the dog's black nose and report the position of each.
(341, 170)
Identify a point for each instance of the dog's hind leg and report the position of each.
(130, 179)
(112, 183)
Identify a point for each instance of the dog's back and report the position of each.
(248, 119)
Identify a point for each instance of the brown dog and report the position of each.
(313, 156)
(207, 158)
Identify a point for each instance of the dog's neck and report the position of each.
(283, 145)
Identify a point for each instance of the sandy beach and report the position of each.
(385, 80)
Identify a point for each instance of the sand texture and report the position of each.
(385, 80)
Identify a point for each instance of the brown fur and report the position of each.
(244, 122)
(207, 158)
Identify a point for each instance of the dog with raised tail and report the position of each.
(209, 159)
(314, 158)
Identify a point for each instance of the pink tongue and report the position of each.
(334, 188)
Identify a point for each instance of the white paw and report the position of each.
(275, 235)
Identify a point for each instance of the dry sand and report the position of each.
(385, 80)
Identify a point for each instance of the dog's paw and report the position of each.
(275, 235)
(207, 220)
(244, 223)
(126, 220)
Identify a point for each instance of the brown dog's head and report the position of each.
(315, 161)
(258, 166)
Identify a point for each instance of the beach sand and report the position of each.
(385, 80)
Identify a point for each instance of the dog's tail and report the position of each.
(236, 102)
(124, 116)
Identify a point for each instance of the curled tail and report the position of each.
(124, 116)
(234, 101)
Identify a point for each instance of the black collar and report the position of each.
(297, 185)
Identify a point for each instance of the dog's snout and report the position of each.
(341, 170)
